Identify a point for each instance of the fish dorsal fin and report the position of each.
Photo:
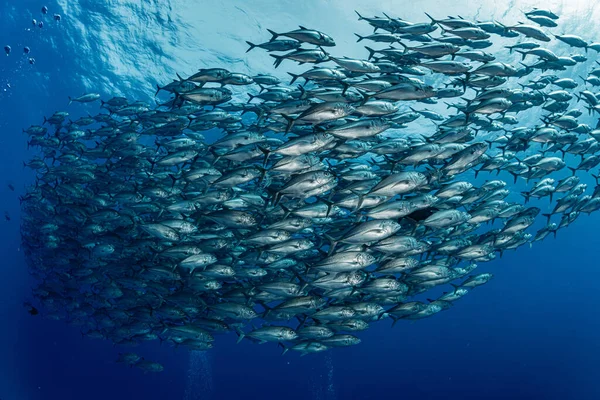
(302, 27)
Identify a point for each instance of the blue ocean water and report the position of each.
(531, 333)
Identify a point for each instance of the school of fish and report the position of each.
(310, 209)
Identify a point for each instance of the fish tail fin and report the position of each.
(329, 206)
(361, 200)
(573, 170)
(346, 86)
(283, 346)
(290, 123)
(173, 180)
(466, 81)
(252, 45)
(70, 100)
(240, 334)
(303, 94)
(364, 95)
(510, 49)
(332, 243)
(433, 20)
(274, 35)
(250, 97)
(359, 37)
(263, 173)
(286, 210)
(547, 217)
(294, 77)
(302, 289)
(527, 195)
(467, 116)
(371, 52)
(522, 53)
(158, 89)
(360, 17)
(589, 109)
(278, 60)
(525, 65)
(266, 152)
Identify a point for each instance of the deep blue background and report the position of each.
(531, 333)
